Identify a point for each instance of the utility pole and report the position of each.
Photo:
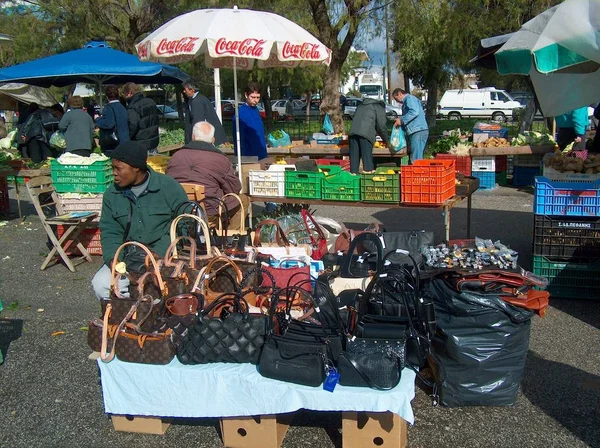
(387, 54)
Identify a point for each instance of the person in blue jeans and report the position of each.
(413, 123)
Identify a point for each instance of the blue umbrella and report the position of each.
(96, 63)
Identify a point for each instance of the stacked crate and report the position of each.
(86, 185)
(490, 170)
(525, 168)
(566, 235)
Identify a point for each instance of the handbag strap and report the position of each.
(169, 253)
(280, 235)
(104, 356)
(114, 283)
(345, 270)
(210, 267)
(228, 298)
(306, 217)
(242, 228)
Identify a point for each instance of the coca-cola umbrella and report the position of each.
(234, 38)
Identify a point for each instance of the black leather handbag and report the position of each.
(234, 336)
(374, 363)
(410, 241)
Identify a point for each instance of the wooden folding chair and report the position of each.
(195, 192)
(73, 225)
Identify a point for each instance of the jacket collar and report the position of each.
(202, 146)
(153, 183)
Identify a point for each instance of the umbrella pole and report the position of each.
(237, 121)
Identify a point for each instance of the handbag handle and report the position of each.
(306, 216)
(203, 225)
(195, 302)
(104, 356)
(206, 273)
(280, 235)
(170, 250)
(114, 282)
(242, 216)
(354, 244)
(224, 299)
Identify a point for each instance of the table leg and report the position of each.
(447, 221)
(372, 429)
(18, 195)
(469, 216)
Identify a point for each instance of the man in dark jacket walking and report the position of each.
(142, 115)
(369, 120)
(199, 109)
(199, 162)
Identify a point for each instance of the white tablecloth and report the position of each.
(231, 390)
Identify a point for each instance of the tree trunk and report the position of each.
(432, 87)
(330, 102)
(266, 99)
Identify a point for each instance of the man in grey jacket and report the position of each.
(369, 120)
(197, 109)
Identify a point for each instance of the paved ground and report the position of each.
(50, 397)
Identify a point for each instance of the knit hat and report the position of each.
(132, 153)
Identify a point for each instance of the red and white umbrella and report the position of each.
(234, 38)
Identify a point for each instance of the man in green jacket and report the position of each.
(139, 206)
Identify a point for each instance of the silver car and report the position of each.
(391, 112)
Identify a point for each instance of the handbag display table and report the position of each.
(237, 394)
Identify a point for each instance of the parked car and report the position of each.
(228, 111)
(314, 110)
(485, 103)
(391, 112)
(279, 105)
(168, 113)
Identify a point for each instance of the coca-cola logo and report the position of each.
(247, 47)
(183, 45)
(305, 51)
(144, 50)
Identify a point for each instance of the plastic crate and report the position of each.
(501, 163)
(487, 179)
(569, 279)
(428, 182)
(303, 184)
(487, 163)
(524, 176)
(269, 183)
(159, 163)
(501, 178)
(84, 204)
(344, 164)
(341, 186)
(94, 178)
(382, 186)
(574, 239)
(566, 198)
(462, 163)
(90, 238)
(404, 160)
(530, 160)
(498, 133)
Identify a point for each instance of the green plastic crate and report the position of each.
(341, 186)
(501, 178)
(405, 160)
(569, 280)
(381, 186)
(98, 171)
(303, 184)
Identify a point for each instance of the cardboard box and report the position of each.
(246, 167)
(373, 429)
(297, 143)
(265, 431)
(144, 425)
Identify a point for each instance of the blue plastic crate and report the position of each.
(566, 198)
(524, 176)
(487, 179)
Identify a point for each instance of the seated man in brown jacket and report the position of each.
(200, 162)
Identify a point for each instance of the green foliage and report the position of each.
(172, 137)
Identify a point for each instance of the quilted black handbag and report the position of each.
(234, 336)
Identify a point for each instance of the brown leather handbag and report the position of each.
(201, 234)
(220, 275)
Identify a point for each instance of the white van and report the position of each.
(485, 103)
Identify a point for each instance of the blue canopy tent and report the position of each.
(96, 63)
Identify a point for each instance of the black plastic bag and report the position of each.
(480, 347)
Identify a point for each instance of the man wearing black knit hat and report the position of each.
(139, 206)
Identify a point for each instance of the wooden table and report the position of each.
(25, 173)
(446, 206)
(512, 150)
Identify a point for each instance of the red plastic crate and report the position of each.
(4, 201)
(463, 163)
(345, 164)
(90, 238)
(428, 182)
(501, 163)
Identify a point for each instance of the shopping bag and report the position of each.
(397, 140)
(57, 140)
(279, 138)
(327, 125)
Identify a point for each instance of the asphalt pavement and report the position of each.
(50, 394)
